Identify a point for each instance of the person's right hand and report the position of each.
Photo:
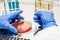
(5, 27)
(44, 18)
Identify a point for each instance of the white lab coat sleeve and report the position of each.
(50, 33)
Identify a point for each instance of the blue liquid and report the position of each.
(17, 4)
(13, 5)
(10, 6)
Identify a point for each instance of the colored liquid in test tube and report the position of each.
(17, 5)
(10, 6)
(13, 5)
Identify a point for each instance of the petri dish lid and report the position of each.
(22, 26)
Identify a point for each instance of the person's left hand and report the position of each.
(5, 27)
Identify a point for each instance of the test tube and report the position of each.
(13, 5)
(10, 5)
(17, 5)
(43, 5)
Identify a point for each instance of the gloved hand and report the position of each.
(45, 19)
(5, 27)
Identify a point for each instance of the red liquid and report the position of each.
(23, 26)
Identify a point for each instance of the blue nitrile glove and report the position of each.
(5, 27)
(45, 19)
